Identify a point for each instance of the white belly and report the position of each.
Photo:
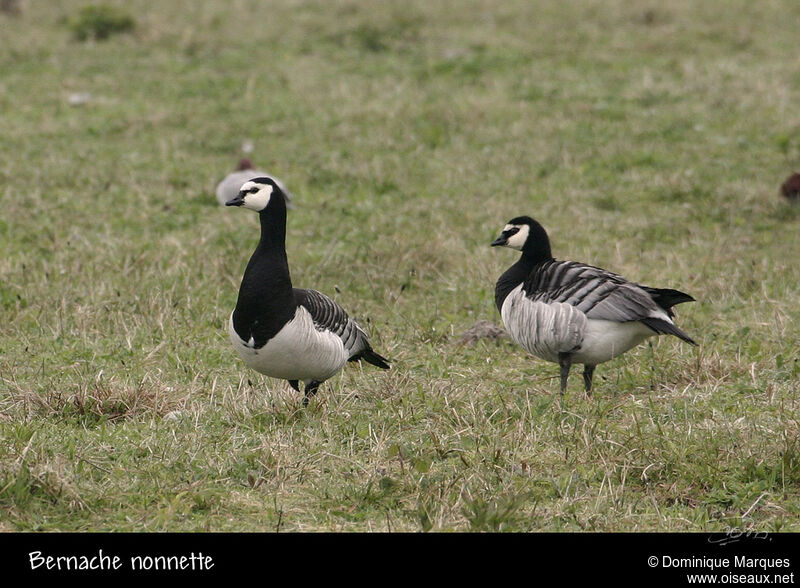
(605, 340)
(297, 352)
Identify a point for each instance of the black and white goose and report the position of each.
(281, 331)
(568, 312)
(230, 185)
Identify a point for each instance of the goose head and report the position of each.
(244, 163)
(525, 234)
(257, 194)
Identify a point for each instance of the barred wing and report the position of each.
(329, 316)
(598, 293)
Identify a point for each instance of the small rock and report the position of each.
(482, 330)
(79, 98)
(11, 7)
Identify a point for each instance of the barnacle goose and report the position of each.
(229, 186)
(568, 312)
(281, 331)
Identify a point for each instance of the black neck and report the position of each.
(266, 299)
(537, 245)
(517, 274)
(273, 229)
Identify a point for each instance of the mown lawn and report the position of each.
(648, 138)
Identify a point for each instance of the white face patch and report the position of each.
(517, 240)
(259, 199)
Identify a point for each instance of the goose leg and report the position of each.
(588, 372)
(565, 361)
(295, 384)
(311, 389)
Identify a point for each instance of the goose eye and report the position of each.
(512, 231)
(253, 190)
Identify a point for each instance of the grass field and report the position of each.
(649, 138)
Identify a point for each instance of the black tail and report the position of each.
(666, 298)
(370, 356)
(662, 327)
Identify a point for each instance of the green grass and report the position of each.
(648, 139)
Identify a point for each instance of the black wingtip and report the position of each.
(684, 337)
(370, 356)
(662, 327)
(666, 298)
